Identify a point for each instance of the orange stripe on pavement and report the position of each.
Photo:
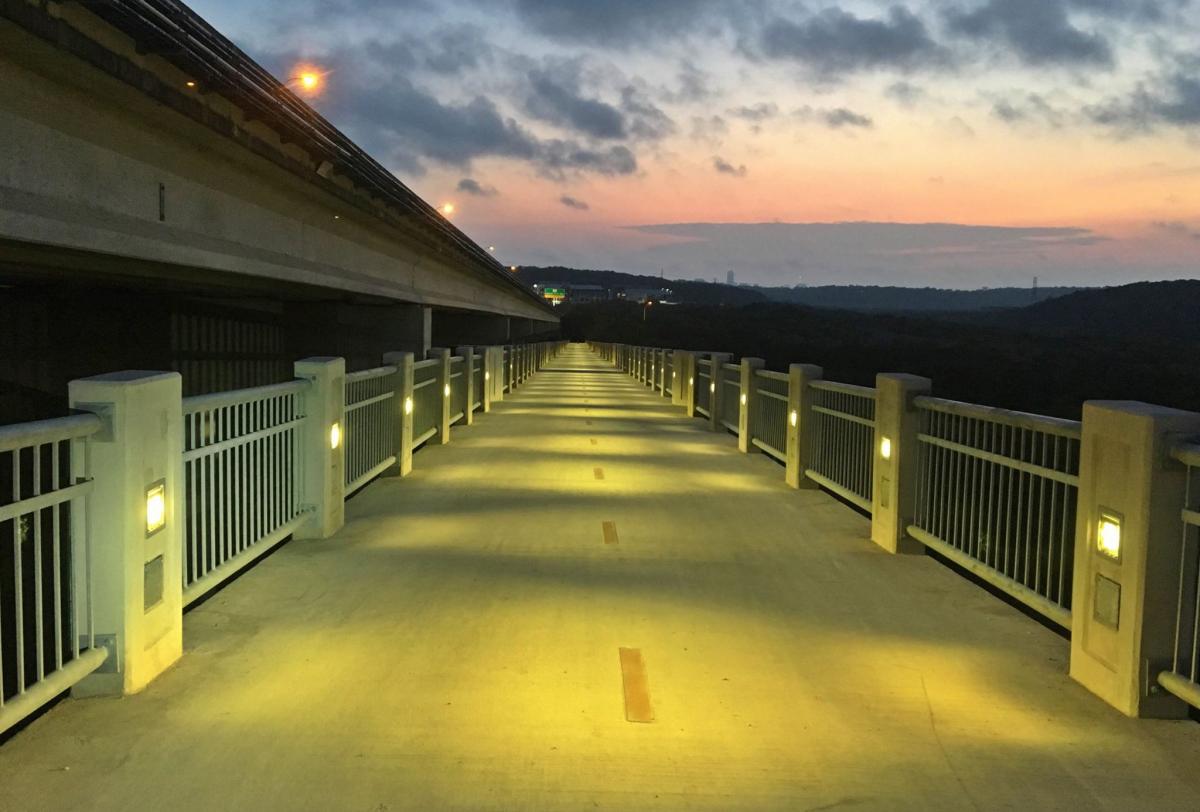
(637, 689)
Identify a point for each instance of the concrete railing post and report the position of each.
(678, 377)
(716, 389)
(136, 517)
(489, 380)
(443, 385)
(799, 408)
(323, 455)
(687, 381)
(748, 393)
(894, 470)
(1127, 553)
(403, 397)
(468, 381)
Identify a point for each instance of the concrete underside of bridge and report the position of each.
(456, 646)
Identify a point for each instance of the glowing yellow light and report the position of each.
(794, 417)
(492, 248)
(743, 400)
(156, 507)
(885, 448)
(309, 80)
(447, 208)
(446, 390)
(712, 387)
(691, 381)
(512, 268)
(335, 435)
(191, 84)
(408, 405)
(487, 376)
(1108, 536)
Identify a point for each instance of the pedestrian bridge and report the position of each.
(588, 600)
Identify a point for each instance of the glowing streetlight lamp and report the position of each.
(447, 209)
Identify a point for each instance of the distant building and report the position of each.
(558, 292)
(730, 278)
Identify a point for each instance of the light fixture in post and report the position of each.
(446, 390)
(712, 387)
(156, 507)
(743, 399)
(793, 417)
(408, 405)
(335, 435)
(885, 448)
(1108, 535)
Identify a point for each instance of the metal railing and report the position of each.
(477, 382)
(703, 385)
(842, 436)
(427, 401)
(1183, 679)
(47, 634)
(371, 425)
(731, 379)
(458, 389)
(996, 492)
(769, 413)
(242, 487)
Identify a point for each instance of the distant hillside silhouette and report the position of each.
(1164, 310)
(842, 297)
(1136, 342)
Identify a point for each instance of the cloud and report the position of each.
(1173, 100)
(1038, 32)
(710, 129)
(834, 41)
(554, 96)
(573, 203)
(646, 120)
(756, 113)
(944, 254)
(1177, 228)
(1033, 109)
(905, 93)
(614, 23)
(835, 118)
(725, 168)
(471, 186)
(556, 158)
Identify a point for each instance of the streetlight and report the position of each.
(307, 79)
(447, 209)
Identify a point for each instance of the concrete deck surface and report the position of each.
(456, 647)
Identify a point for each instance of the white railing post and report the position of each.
(894, 470)
(323, 453)
(716, 389)
(799, 409)
(749, 391)
(1127, 553)
(687, 380)
(491, 381)
(403, 362)
(136, 513)
(468, 381)
(443, 385)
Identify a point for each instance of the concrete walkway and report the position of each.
(456, 647)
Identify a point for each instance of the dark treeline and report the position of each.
(1046, 362)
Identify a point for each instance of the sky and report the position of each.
(959, 143)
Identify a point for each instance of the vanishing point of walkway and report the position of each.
(456, 647)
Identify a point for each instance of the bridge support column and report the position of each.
(749, 391)
(136, 527)
(322, 459)
(1128, 553)
(894, 469)
(468, 381)
(716, 389)
(799, 408)
(443, 385)
(403, 361)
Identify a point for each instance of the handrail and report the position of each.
(844, 388)
(215, 400)
(368, 374)
(56, 429)
(1051, 425)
